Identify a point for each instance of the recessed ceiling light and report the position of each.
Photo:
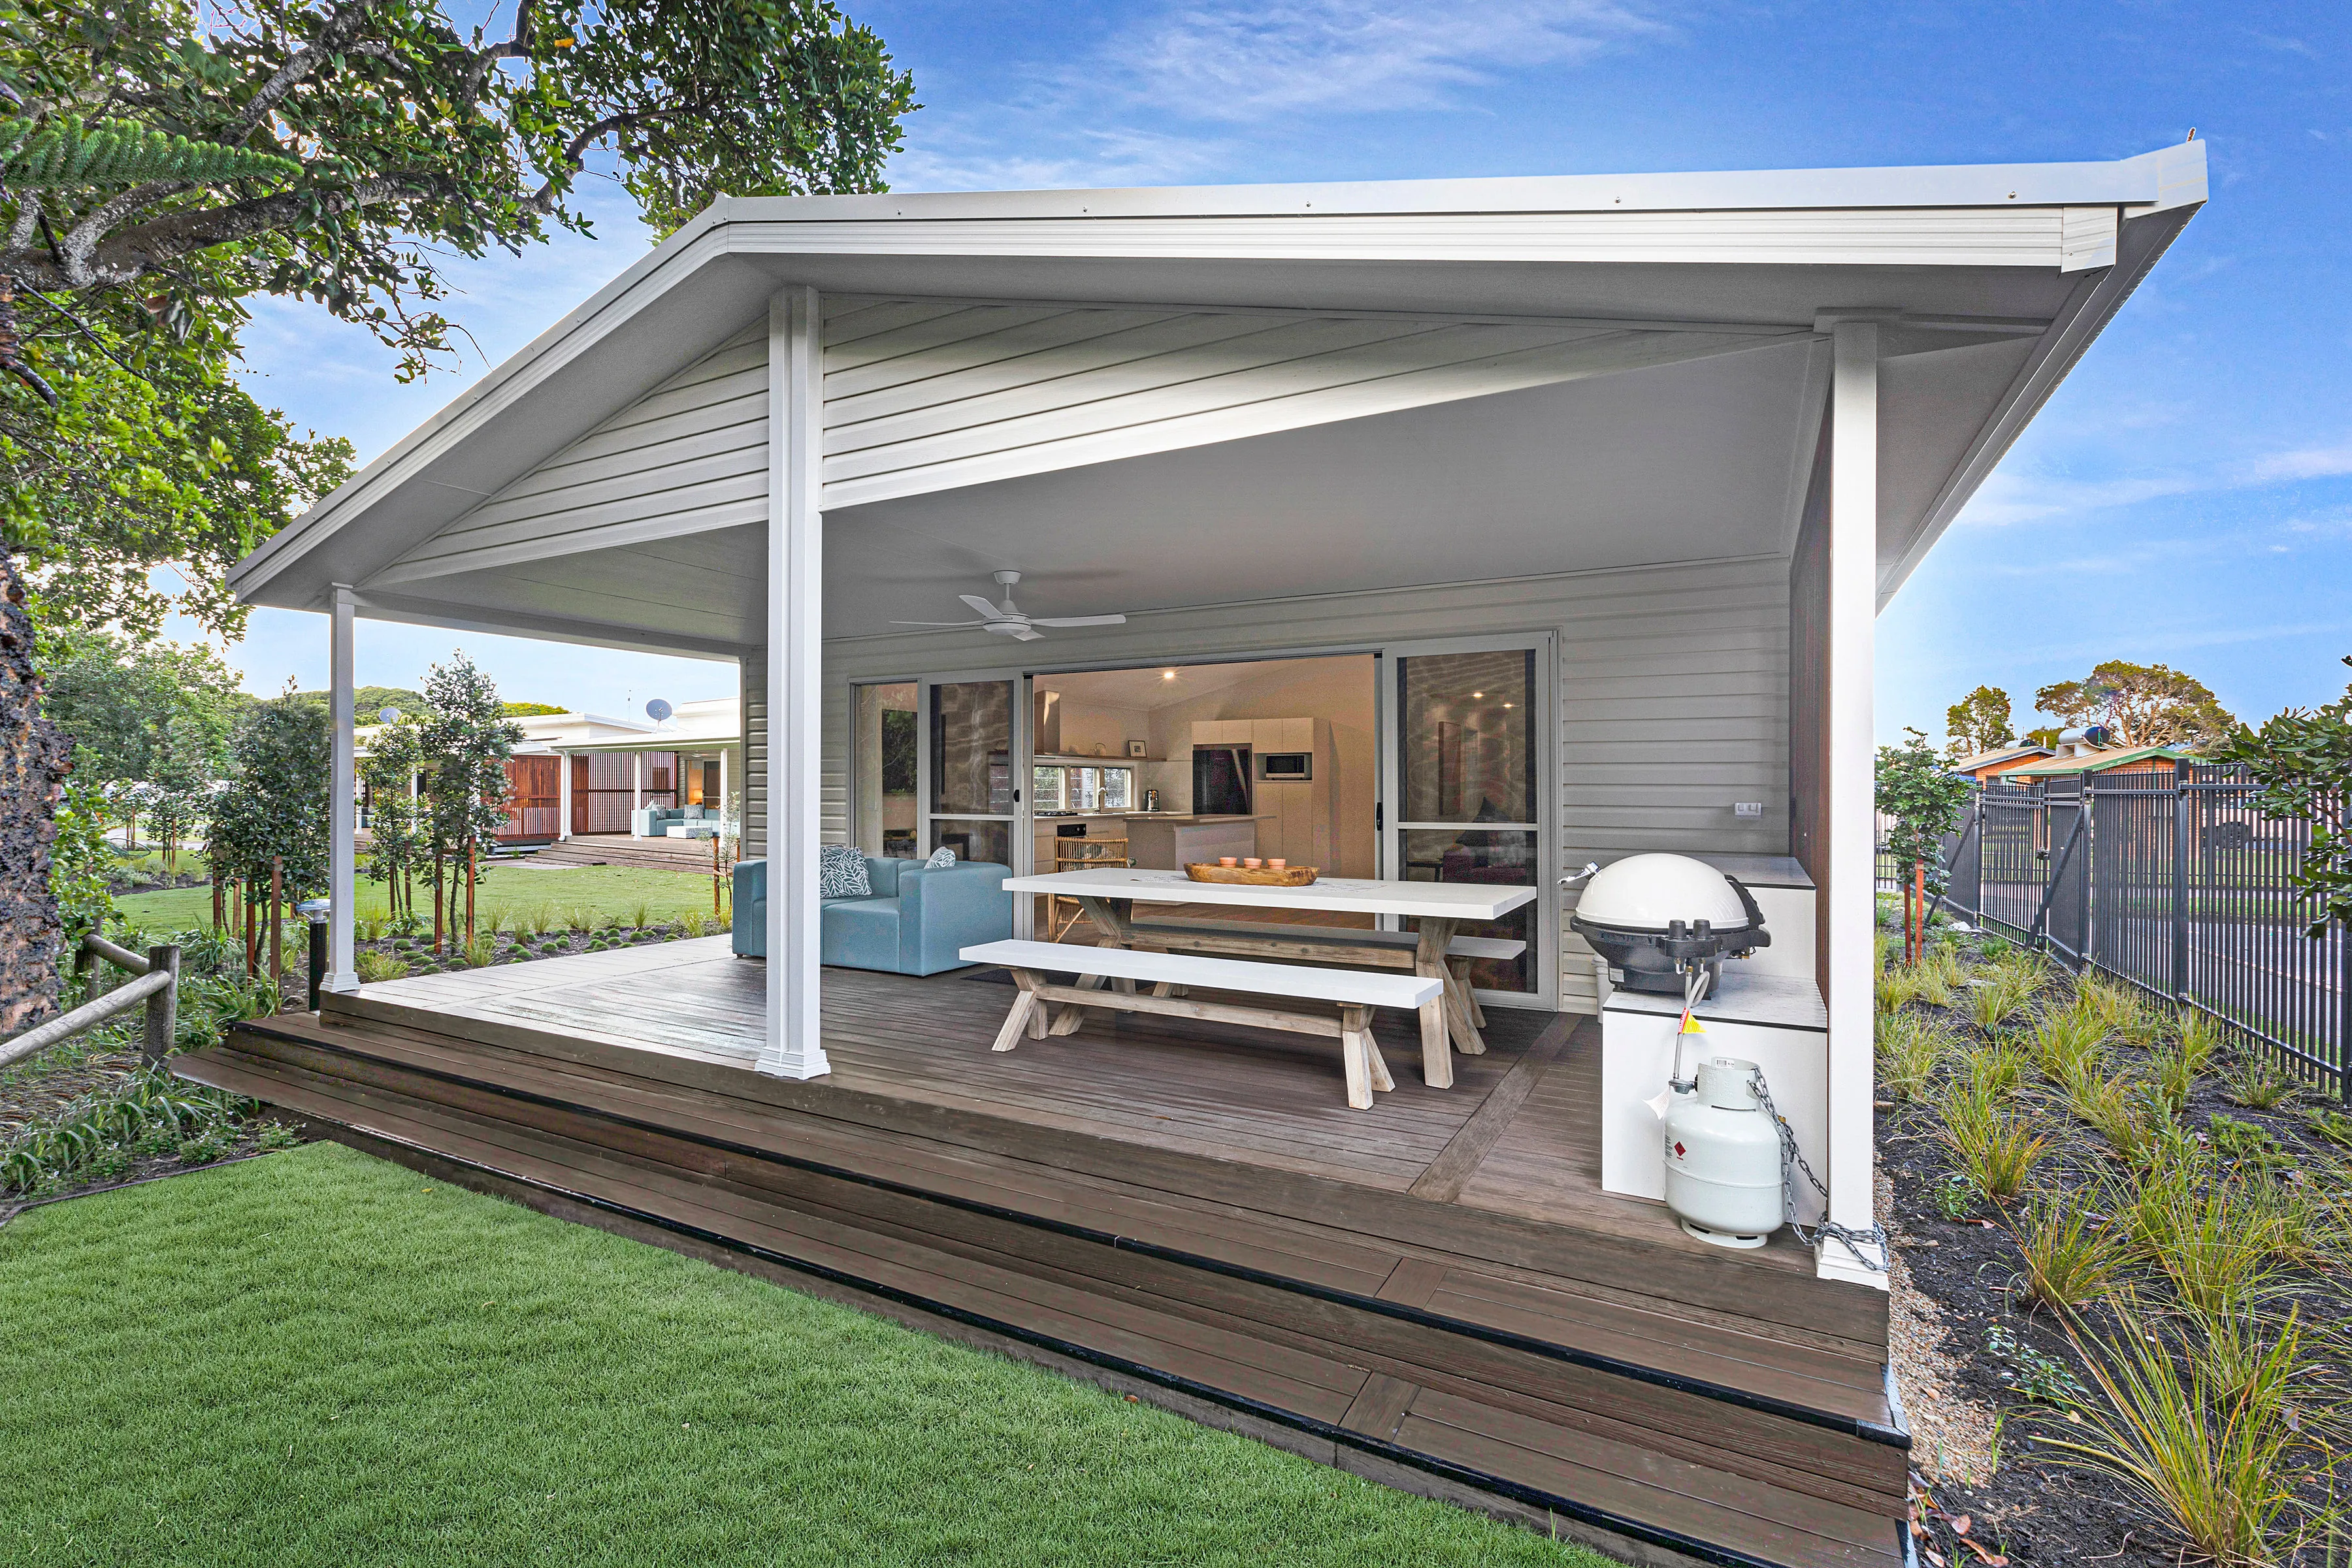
(1478, 696)
(1510, 705)
(1167, 674)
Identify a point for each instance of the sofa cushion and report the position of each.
(940, 859)
(841, 872)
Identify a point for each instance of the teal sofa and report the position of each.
(916, 922)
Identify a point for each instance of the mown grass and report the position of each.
(319, 1358)
(510, 895)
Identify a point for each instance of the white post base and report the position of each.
(796, 1064)
(1833, 1259)
(332, 982)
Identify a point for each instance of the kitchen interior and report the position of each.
(1163, 766)
(1156, 767)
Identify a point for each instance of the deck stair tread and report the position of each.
(1538, 1307)
(1534, 1304)
(1783, 1492)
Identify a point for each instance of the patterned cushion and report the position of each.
(841, 872)
(940, 859)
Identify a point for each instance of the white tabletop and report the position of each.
(1342, 895)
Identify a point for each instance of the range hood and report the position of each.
(1045, 725)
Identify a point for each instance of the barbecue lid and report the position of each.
(1648, 893)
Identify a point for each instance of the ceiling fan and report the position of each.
(1005, 620)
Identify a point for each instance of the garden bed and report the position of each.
(2114, 1233)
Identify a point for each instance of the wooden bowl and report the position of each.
(1251, 876)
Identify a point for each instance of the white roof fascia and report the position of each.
(2160, 179)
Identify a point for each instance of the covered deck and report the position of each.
(1435, 1292)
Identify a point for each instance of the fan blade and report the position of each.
(1077, 620)
(1025, 635)
(1018, 630)
(983, 605)
(938, 622)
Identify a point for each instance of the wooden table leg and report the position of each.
(1356, 1057)
(1114, 932)
(1436, 1051)
(1429, 962)
(1360, 1020)
(1461, 967)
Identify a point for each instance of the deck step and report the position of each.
(618, 850)
(1322, 1330)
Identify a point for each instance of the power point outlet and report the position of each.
(1748, 809)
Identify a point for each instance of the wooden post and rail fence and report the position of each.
(155, 989)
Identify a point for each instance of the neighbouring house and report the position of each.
(582, 775)
(2082, 762)
(1982, 766)
(1486, 527)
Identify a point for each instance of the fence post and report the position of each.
(163, 1005)
(2184, 827)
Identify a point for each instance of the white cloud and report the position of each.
(956, 155)
(1248, 62)
(2309, 463)
(2012, 497)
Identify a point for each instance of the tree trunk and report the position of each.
(436, 903)
(34, 758)
(469, 895)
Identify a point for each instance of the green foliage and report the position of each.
(1978, 723)
(2006, 988)
(375, 966)
(2301, 761)
(2332, 1124)
(79, 860)
(425, 138)
(2141, 705)
(1909, 1047)
(529, 709)
(110, 1120)
(1954, 1197)
(2033, 1373)
(2247, 1143)
(397, 841)
(1925, 799)
(2071, 1256)
(115, 153)
(1995, 1149)
(2218, 1241)
(2254, 1082)
(277, 804)
(2216, 1470)
(130, 703)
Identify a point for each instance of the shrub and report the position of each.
(2199, 1037)
(481, 950)
(2218, 1472)
(1909, 1047)
(2114, 1008)
(2070, 1256)
(641, 914)
(2331, 1124)
(2000, 1069)
(694, 923)
(2172, 1073)
(2063, 1044)
(1996, 1151)
(2247, 1143)
(2255, 1083)
(2219, 1242)
(379, 966)
(2000, 992)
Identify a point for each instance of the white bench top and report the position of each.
(1360, 987)
(1348, 895)
(1461, 946)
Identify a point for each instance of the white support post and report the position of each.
(563, 795)
(636, 789)
(794, 1046)
(1851, 824)
(722, 802)
(342, 802)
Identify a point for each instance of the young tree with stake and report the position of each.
(1918, 790)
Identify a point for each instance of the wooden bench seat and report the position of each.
(1332, 945)
(1355, 993)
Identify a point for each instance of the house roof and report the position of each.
(1712, 288)
(2096, 761)
(1997, 756)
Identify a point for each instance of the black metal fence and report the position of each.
(2172, 882)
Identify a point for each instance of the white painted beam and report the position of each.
(793, 1047)
(563, 794)
(1852, 826)
(343, 803)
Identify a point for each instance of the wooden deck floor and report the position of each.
(1436, 1285)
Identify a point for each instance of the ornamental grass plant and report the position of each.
(2072, 1255)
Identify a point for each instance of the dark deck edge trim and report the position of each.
(1894, 1436)
(1656, 1535)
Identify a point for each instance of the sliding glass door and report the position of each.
(1465, 782)
(972, 796)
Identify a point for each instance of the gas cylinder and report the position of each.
(1722, 1158)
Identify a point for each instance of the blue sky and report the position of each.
(2186, 497)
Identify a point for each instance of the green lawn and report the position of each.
(601, 891)
(321, 1358)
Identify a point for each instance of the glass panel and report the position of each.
(974, 839)
(1478, 855)
(1044, 789)
(885, 771)
(1465, 722)
(1085, 789)
(1118, 789)
(972, 746)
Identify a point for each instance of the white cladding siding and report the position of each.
(755, 754)
(1672, 690)
(926, 395)
(689, 457)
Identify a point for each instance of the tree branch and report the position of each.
(339, 36)
(84, 238)
(153, 245)
(576, 152)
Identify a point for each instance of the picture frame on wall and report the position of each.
(1136, 748)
